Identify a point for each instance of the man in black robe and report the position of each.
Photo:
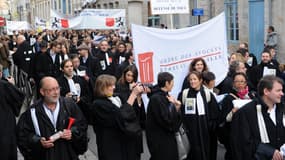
(24, 55)
(49, 116)
(11, 100)
(258, 127)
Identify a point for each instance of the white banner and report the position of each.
(17, 25)
(160, 50)
(40, 24)
(59, 21)
(90, 19)
(169, 6)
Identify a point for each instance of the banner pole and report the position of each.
(171, 21)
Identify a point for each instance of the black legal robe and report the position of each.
(29, 142)
(162, 123)
(123, 91)
(85, 94)
(11, 101)
(202, 129)
(245, 137)
(116, 129)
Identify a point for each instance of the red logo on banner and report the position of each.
(64, 23)
(146, 67)
(110, 22)
(2, 21)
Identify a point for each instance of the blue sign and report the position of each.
(197, 12)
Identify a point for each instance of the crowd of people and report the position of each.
(89, 77)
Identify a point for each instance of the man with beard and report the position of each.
(266, 67)
(45, 130)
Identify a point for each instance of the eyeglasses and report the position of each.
(241, 82)
(55, 89)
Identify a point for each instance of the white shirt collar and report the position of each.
(52, 115)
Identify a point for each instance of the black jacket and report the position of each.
(44, 66)
(162, 123)
(104, 67)
(202, 129)
(11, 100)
(93, 67)
(85, 94)
(116, 129)
(29, 142)
(23, 57)
(245, 137)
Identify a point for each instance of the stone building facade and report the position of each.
(247, 20)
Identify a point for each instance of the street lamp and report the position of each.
(9, 15)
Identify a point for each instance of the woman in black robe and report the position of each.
(163, 120)
(115, 121)
(199, 65)
(123, 89)
(200, 117)
(239, 91)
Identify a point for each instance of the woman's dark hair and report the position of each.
(131, 68)
(164, 77)
(128, 55)
(208, 76)
(193, 63)
(239, 74)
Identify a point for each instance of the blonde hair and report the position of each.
(239, 57)
(102, 82)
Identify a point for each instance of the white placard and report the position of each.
(238, 103)
(269, 71)
(169, 6)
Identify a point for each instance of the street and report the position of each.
(91, 154)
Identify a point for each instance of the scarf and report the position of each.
(242, 93)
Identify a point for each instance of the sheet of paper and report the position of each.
(238, 103)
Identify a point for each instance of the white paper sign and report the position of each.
(238, 103)
(169, 6)
(268, 71)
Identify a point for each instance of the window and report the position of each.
(116, 4)
(64, 6)
(154, 21)
(105, 5)
(231, 11)
(69, 7)
(111, 5)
